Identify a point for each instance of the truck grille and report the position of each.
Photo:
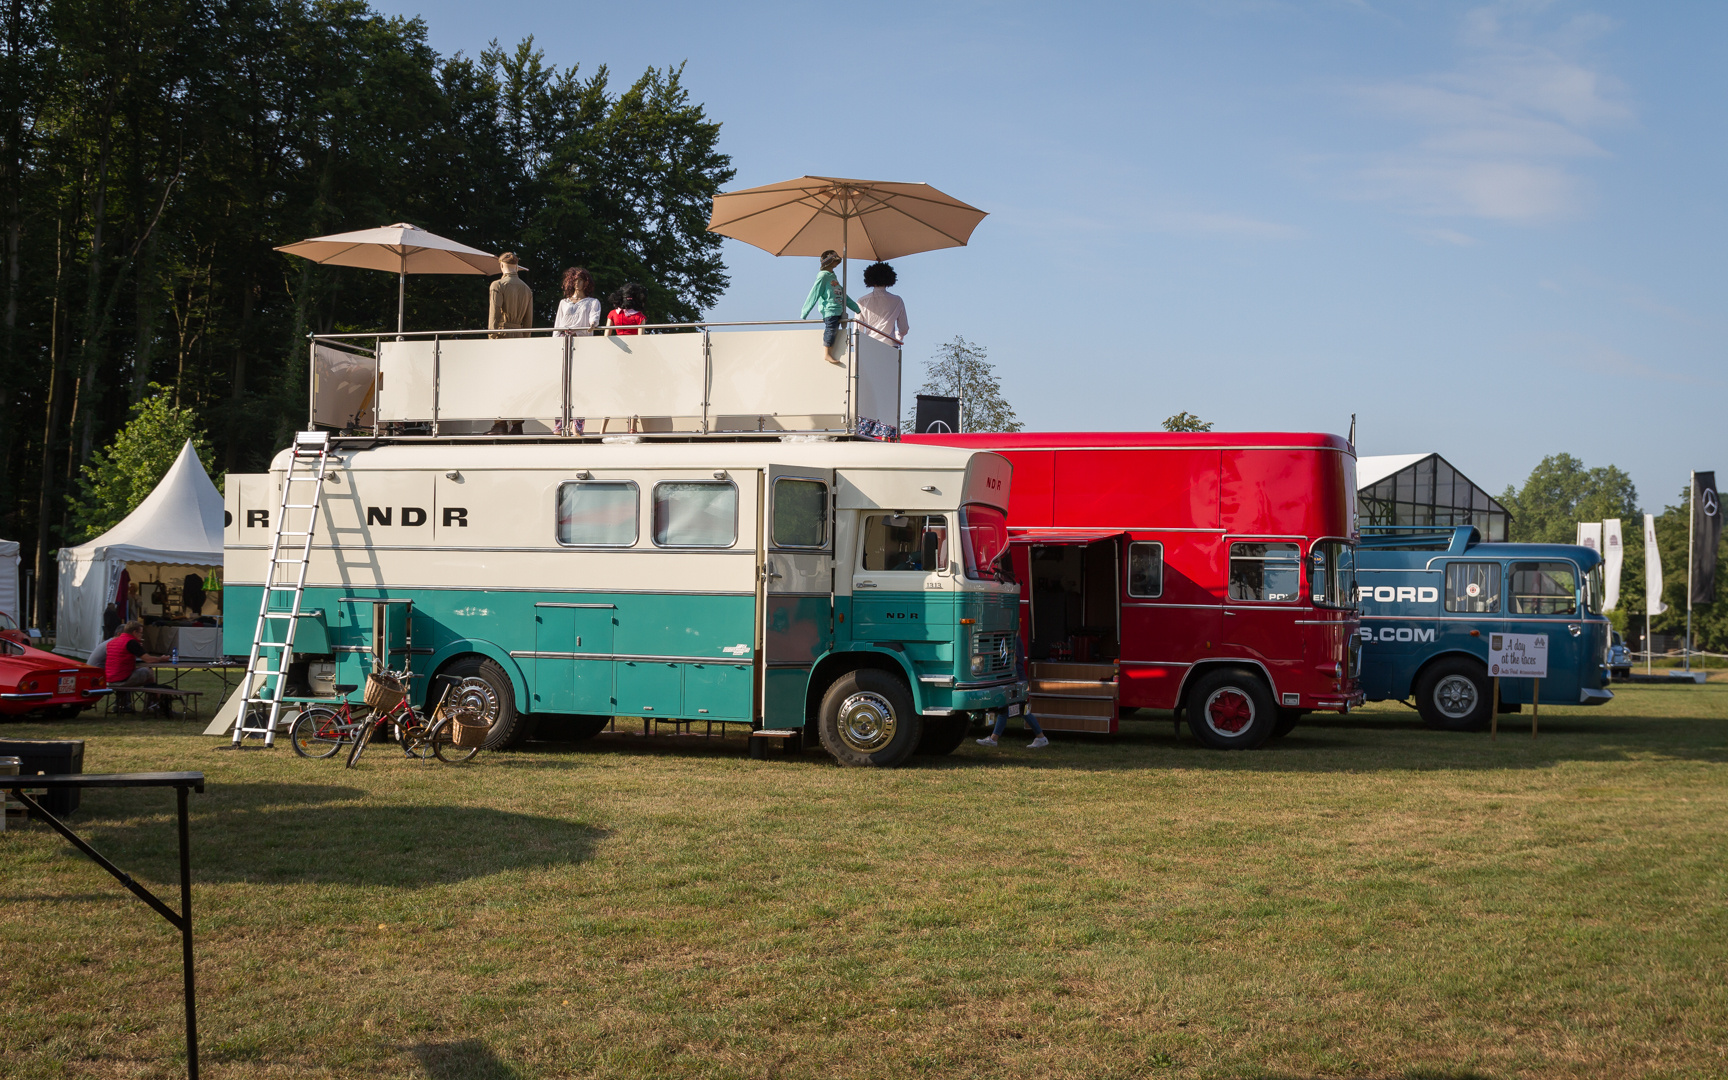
(997, 649)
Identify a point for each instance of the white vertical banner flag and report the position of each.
(1652, 569)
(1590, 535)
(1612, 556)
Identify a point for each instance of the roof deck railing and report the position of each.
(678, 379)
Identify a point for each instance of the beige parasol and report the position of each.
(402, 248)
(812, 214)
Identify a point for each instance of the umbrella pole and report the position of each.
(401, 295)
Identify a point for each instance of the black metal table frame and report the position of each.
(181, 782)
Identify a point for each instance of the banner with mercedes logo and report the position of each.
(1706, 536)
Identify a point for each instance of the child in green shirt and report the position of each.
(828, 295)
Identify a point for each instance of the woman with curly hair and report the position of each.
(884, 314)
(579, 311)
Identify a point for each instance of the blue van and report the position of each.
(1429, 602)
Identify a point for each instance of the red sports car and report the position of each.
(32, 680)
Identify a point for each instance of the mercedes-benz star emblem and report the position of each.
(1709, 502)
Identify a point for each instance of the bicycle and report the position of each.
(421, 737)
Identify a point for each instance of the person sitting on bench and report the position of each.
(123, 667)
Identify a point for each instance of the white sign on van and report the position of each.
(1518, 656)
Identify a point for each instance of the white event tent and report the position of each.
(9, 580)
(176, 530)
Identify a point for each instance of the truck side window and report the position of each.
(597, 513)
(1145, 569)
(1332, 574)
(906, 542)
(1473, 586)
(695, 513)
(1265, 571)
(800, 513)
(1544, 588)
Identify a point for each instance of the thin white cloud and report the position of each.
(1216, 224)
(1502, 135)
(1448, 236)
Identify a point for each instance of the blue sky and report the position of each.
(1495, 231)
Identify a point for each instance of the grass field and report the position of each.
(1363, 899)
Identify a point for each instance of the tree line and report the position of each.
(153, 154)
(1562, 491)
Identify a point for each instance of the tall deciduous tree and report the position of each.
(120, 477)
(153, 154)
(1560, 492)
(962, 369)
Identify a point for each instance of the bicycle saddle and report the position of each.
(344, 688)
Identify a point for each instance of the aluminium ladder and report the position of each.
(266, 677)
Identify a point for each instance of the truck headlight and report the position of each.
(977, 664)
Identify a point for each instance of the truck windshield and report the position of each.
(1332, 574)
(984, 540)
(1544, 588)
(1595, 584)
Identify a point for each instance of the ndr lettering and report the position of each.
(1398, 633)
(1403, 594)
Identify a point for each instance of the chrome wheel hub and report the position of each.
(475, 696)
(867, 722)
(1455, 696)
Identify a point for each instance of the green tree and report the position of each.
(1560, 492)
(962, 369)
(1186, 421)
(119, 478)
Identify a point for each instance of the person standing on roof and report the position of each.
(511, 302)
(830, 298)
(884, 314)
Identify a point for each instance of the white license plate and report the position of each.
(1013, 710)
(68, 684)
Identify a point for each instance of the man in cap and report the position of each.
(511, 305)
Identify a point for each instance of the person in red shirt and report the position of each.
(125, 653)
(632, 298)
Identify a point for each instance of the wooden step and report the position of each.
(1062, 669)
(1073, 687)
(1071, 706)
(1051, 722)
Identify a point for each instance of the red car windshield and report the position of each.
(983, 539)
(7, 622)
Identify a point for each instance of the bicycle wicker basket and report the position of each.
(384, 690)
(467, 727)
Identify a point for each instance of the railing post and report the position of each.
(707, 376)
(569, 359)
(437, 355)
(377, 376)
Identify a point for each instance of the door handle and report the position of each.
(1577, 631)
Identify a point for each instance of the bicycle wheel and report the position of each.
(361, 738)
(447, 751)
(413, 732)
(317, 733)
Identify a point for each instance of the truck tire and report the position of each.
(1453, 694)
(1287, 720)
(1231, 709)
(571, 728)
(944, 734)
(496, 700)
(867, 720)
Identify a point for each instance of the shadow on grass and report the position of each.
(469, 1059)
(279, 833)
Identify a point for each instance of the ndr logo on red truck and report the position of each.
(1208, 572)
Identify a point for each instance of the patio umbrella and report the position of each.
(812, 214)
(402, 248)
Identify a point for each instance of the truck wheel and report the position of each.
(944, 734)
(1454, 695)
(1231, 709)
(487, 687)
(867, 719)
(1287, 719)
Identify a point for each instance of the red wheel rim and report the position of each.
(1229, 712)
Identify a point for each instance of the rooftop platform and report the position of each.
(679, 380)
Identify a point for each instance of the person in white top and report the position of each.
(579, 311)
(884, 314)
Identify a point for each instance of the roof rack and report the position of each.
(678, 380)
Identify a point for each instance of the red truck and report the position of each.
(1212, 573)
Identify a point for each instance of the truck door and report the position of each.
(1544, 596)
(1262, 595)
(795, 599)
(572, 658)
